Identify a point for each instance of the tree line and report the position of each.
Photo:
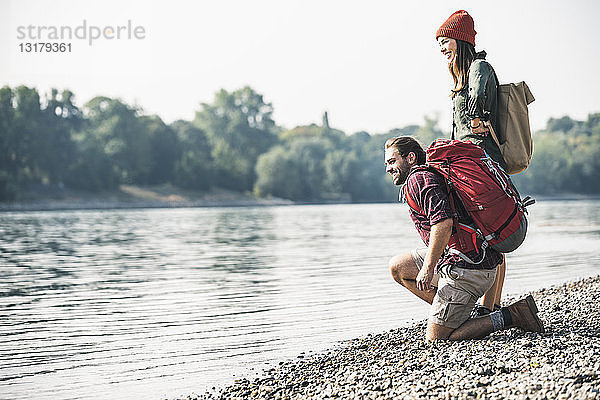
(234, 143)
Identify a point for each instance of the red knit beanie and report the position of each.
(459, 26)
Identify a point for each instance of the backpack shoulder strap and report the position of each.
(409, 200)
(411, 203)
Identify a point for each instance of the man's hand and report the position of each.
(424, 279)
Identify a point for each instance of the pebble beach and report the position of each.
(562, 363)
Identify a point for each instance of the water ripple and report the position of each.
(160, 303)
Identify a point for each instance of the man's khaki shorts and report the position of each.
(458, 289)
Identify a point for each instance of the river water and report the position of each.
(160, 303)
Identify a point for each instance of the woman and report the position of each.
(474, 105)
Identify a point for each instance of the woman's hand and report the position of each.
(479, 128)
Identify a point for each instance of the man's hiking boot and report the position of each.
(524, 315)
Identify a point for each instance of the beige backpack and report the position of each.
(513, 135)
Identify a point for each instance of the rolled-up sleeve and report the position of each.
(429, 192)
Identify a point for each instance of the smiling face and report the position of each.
(448, 48)
(397, 166)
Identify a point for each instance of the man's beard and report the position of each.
(401, 177)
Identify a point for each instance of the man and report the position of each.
(451, 285)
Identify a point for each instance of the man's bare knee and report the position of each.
(402, 266)
(395, 265)
(437, 332)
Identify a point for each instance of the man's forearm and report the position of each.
(438, 240)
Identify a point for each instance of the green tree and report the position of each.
(239, 127)
(279, 174)
(27, 140)
(341, 167)
(295, 172)
(564, 158)
(61, 119)
(8, 137)
(91, 168)
(123, 136)
(164, 149)
(428, 132)
(563, 124)
(194, 168)
(370, 181)
(549, 166)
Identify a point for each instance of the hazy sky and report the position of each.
(373, 65)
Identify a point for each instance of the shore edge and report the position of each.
(562, 363)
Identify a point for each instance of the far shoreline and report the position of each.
(168, 196)
(42, 206)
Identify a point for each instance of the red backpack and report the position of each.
(486, 193)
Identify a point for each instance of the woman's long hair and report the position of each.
(459, 68)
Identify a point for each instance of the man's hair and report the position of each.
(406, 145)
(459, 68)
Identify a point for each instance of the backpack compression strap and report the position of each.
(409, 200)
